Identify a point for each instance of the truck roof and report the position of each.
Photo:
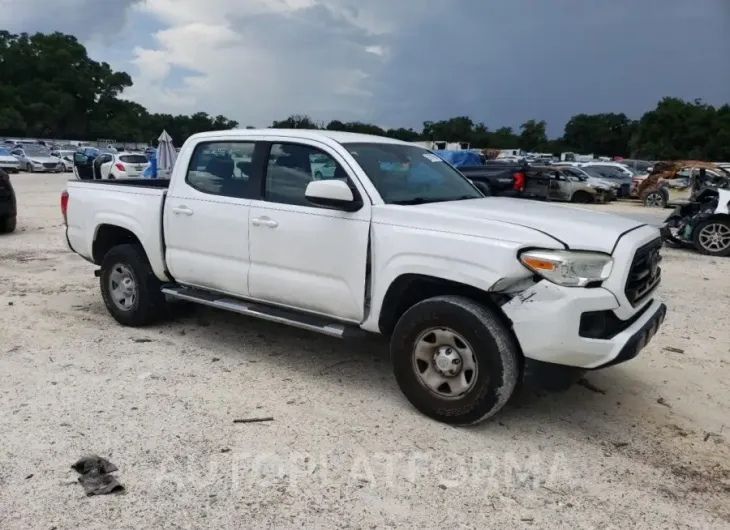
(309, 134)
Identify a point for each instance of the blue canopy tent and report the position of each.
(459, 158)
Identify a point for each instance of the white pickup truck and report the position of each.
(471, 291)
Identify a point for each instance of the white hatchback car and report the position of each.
(120, 165)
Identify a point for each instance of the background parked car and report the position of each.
(119, 165)
(566, 187)
(37, 158)
(609, 188)
(67, 158)
(8, 205)
(8, 162)
(611, 171)
(640, 167)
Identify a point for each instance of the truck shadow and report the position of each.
(367, 365)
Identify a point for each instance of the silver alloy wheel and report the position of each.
(444, 363)
(655, 200)
(122, 287)
(715, 237)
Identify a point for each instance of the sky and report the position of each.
(400, 63)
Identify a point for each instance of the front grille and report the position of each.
(645, 272)
(50, 165)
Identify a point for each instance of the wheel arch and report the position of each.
(409, 289)
(108, 236)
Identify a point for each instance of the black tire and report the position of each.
(697, 239)
(29, 168)
(655, 199)
(149, 304)
(495, 353)
(582, 197)
(8, 224)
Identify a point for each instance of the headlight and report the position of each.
(568, 267)
(36, 162)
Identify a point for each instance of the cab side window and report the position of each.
(221, 168)
(291, 167)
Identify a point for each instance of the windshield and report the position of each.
(36, 150)
(604, 172)
(575, 172)
(408, 174)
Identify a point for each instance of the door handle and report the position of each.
(264, 221)
(182, 210)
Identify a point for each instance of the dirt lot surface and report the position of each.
(641, 445)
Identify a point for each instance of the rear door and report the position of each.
(539, 184)
(103, 164)
(206, 215)
(305, 256)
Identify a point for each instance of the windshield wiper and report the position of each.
(424, 200)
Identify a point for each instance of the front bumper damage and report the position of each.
(578, 327)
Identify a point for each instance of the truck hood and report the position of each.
(577, 228)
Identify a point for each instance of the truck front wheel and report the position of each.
(129, 287)
(454, 359)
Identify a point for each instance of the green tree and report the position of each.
(533, 136)
(605, 134)
(50, 87)
(680, 129)
(296, 121)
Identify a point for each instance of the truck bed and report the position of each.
(135, 205)
(138, 182)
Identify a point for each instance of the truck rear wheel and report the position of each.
(130, 289)
(454, 359)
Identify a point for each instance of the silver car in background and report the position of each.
(37, 158)
(67, 158)
(8, 162)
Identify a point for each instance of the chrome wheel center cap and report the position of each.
(447, 361)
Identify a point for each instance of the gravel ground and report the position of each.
(642, 445)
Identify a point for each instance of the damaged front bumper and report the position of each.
(578, 327)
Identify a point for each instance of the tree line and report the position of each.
(675, 129)
(51, 88)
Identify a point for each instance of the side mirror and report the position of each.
(333, 194)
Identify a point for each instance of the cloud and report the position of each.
(400, 63)
(82, 18)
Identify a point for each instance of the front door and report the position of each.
(206, 217)
(303, 256)
(83, 166)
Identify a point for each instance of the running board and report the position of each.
(264, 312)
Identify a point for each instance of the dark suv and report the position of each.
(8, 206)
